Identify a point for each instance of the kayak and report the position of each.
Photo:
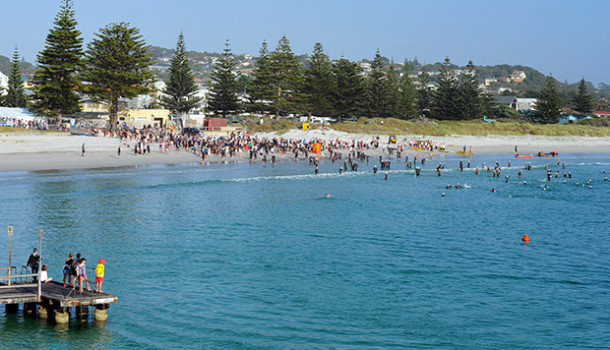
(464, 153)
(523, 155)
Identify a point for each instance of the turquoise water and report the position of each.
(248, 256)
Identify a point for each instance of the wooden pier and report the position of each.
(53, 296)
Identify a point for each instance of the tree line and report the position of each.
(116, 64)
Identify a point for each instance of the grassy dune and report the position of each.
(393, 126)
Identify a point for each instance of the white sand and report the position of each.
(26, 152)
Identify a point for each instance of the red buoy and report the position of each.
(525, 239)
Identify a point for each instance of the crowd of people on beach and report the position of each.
(23, 123)
(74, 271)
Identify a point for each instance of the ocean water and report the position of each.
(254, 256)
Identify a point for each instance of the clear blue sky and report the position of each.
(564, 37)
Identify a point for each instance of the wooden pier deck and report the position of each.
(54, 294)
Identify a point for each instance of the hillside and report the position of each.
(26, 68)
(203, 64)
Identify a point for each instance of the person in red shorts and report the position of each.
(99, 275)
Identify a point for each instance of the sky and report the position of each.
(566, 38)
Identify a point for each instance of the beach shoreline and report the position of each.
(23, 152)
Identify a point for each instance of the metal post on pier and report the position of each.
(40, 234)
(10, 253)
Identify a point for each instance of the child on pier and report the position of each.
(99, 275)
(82, 274)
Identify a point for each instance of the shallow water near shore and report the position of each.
(255, 256)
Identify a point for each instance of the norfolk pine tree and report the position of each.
(349, 89)
(223, 97)
(377, 89)
(548, 105)
(319, 83)
(180, 87)
(470, 103)
(117, 66)
(56, 81)
(286, 77)
(15, 94)
(583, 102)
(408, 100)
(424, 94)
(446, 96)
(393, 92)
(262, 91)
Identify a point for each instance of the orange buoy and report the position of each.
(525, 239)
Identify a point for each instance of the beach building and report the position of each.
(144, 117)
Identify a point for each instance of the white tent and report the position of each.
(18, 113)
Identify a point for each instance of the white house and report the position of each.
(526, 104)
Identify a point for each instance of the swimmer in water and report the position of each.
(493, 190)
(329, 196)
(386, 176)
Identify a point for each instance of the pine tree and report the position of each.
(548, 105)
(286, 77)
(56, 81)
(262, 91)
(319, 83)
(350, 89)
(180, 87)
(408, 100)
(489, 105)
(583, 102)
(223, 97)
(392, 101)
(15, 94)
(377, 89)
(117, 66)
(424, 94)
(470, 103)
(446, 96)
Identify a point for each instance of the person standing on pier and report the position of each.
(99, 275)
(33, 262)
(82, 274)
(67, 269)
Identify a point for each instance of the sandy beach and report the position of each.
(28, 152)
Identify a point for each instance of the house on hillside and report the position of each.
(526, 104)
(518, 76)
(510, 101)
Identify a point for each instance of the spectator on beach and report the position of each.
(67, 270)
(99, 275)
(44, 278)
(33, 262)
(83, 148)
(82, 274)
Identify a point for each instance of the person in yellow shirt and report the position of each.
(99, 275)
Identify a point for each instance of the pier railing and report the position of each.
(10, 284)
